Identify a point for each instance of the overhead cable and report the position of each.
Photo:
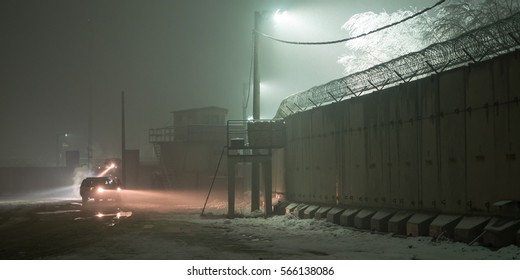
(471, 47)
(355, 37)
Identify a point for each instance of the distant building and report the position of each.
(189, 150)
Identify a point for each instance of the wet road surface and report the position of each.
(156, 227)
(149, 225)
(43, 230)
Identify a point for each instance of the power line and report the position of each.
(355, 37)
(471, 47)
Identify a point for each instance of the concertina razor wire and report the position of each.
(474, 46)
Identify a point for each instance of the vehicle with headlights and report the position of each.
(100, 188)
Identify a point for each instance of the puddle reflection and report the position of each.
(118, 215)
(108, 213)
(113, 218)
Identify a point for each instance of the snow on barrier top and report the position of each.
(474, 46)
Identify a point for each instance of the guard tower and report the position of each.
(188, 149)
(253, 142)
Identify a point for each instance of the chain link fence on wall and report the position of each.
(474, 46)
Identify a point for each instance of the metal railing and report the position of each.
(248, 137)
(162, 134)
(201, 133)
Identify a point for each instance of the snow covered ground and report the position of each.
(279, 241)
(283, 237)
(295, 243)
(318, 239)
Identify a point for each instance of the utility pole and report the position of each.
(255, 175)
(256, 74)
(89, 140)
(123, 144)
(90, 107)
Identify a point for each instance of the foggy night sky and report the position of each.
(165, 55)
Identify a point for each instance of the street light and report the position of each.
(255, 174)
(256, 75)
(279, 16)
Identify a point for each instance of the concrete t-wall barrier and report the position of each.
(449, 143)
